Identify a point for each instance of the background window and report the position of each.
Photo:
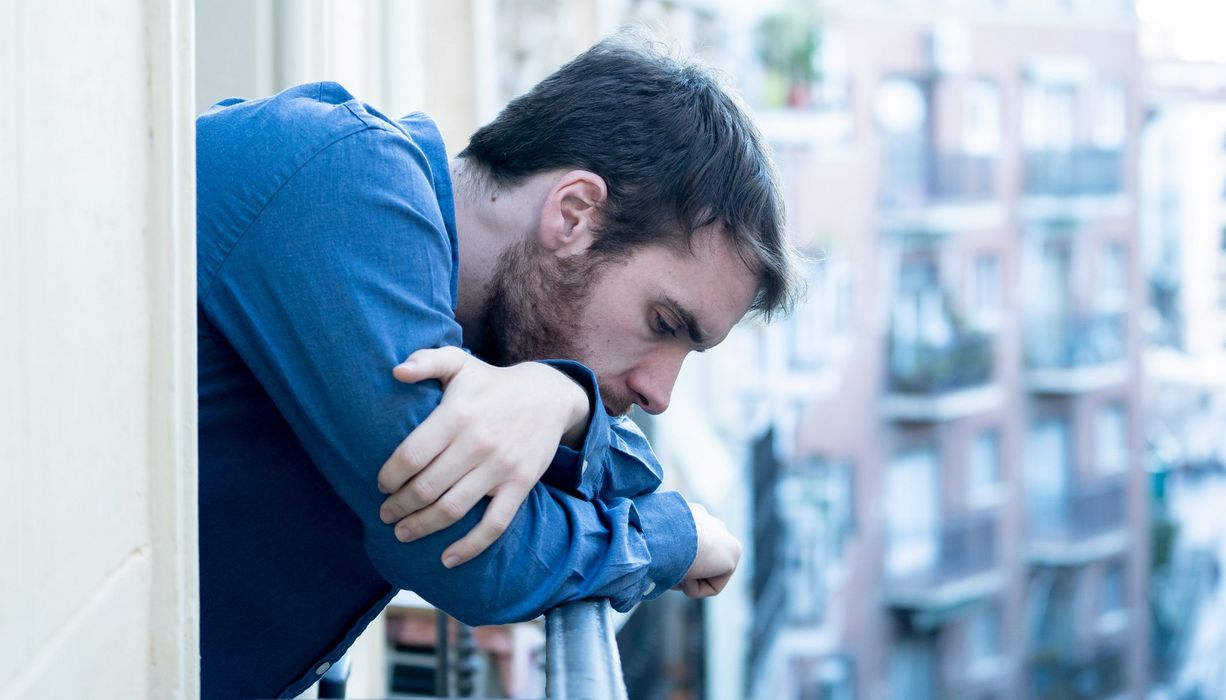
(912, 512)
(983, 466)
(1110, 124)
(983, 636)
(986, 284)
(1113, 277)
(1111, 438)
(981, 118)
(1111, 590)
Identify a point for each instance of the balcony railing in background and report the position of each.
(582, 658)
(966, 556)
(1096, 673)
(1090, 522)
(1067, 342)
(918, 368)
(922, 179)
(1074, 173)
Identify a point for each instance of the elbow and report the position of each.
(492, 589)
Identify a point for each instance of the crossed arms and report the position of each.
(319, 300)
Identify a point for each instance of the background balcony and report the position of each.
(964, 568)
(1068, 354)
(1082, 172)
(939, 191)
(927, 382)
(936, 178)
(1090, 523)
(1098, 674)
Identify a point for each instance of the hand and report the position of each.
(493, 434)
(718, 554)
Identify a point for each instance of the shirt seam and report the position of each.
(263, 207)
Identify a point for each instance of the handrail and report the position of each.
(583, 663)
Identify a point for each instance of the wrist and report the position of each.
(573, 403)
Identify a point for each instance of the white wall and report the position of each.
(97, 350)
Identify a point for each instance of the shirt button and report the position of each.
(323, 668)
(583, 468)
(651, 586)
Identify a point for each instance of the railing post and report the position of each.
(583, 663)
(442, 664)
(465, 662)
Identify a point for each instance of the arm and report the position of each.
(338, 278)
(496, 432)
(480, 404)
(615, 460)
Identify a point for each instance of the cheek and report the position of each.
(614, 346)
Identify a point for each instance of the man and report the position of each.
(622, 214)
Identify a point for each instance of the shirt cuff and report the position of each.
(672, 540)
(577, 471)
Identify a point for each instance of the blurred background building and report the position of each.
(1183, 229)
(946, 494)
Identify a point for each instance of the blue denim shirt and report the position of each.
(327, 253)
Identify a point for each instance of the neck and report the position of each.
(489, 220)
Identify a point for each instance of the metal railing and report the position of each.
(966, 546)
(921, 368)
(583, 661)
(1069, 341)
(923, 178)
(1088, 510)
(1074, 172)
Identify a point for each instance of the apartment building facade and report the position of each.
(953, 504)
(1183, 229)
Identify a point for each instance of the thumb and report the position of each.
(433, 363)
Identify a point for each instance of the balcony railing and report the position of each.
(922, 179)
(961, 570)
(1088, 523)
(1066, 342)
(582, 650)
(583, 662)
(919, 368)
(1074, 173)
(1096, 673)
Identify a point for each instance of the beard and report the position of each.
(535, 311)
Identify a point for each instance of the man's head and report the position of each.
(658, 201)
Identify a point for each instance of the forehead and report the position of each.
(710, 280)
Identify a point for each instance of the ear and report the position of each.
(569, 213)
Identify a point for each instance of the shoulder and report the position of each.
(320, 137)
(247, 149)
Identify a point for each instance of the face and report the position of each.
(632, 320)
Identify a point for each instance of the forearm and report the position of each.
(613, 459)
(558, 548)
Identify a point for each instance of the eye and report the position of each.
(662, 326)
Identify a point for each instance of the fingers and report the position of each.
(433, 363)
(446, 510)
(696, 588)
(704, 587)
(498, 516)
(415, 453)
(427, 485)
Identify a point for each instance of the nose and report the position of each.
(653, 383)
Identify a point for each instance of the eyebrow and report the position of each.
(689, 322)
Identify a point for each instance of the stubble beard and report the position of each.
(535, 311)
